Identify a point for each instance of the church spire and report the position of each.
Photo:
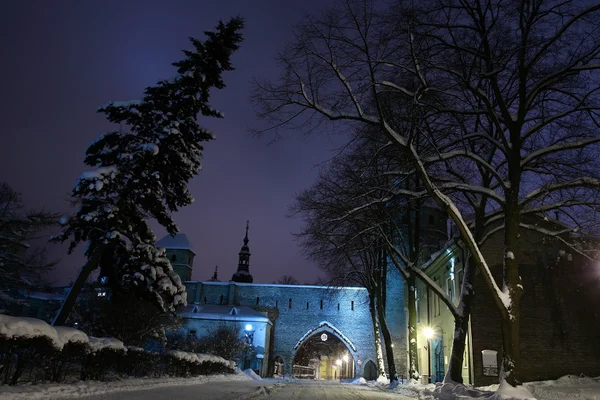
(243, 271)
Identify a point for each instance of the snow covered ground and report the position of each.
(246, 385)
(116, 389)
(566, 388)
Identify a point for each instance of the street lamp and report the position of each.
(248, 338)
(428, 332)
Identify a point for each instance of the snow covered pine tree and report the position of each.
(144, 174)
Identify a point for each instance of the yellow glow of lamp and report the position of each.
(428, 332)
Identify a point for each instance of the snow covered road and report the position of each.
(305, 390)
(226, 390)
(255, 390)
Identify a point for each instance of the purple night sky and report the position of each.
(62, 61)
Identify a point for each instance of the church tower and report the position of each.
(180, 253)
(243, 272)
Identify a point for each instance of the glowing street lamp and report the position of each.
(248, 338)
(428, 332)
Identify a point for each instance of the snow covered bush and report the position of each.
(24, 343)
(67, 362)
(104, 357)
(183, 363)
(141, 363)
(31, 350)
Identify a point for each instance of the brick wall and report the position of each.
(559, 324)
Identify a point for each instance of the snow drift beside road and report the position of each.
(252, 374)
(90, 388)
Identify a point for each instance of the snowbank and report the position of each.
(91, 388)
(250, 372)
(22, 327)
(566, 388)
(199, 358)
(70, 335)
(105, 343)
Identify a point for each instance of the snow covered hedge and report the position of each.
(32, 350)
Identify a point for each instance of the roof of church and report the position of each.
(179, 241)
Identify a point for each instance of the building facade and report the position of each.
(559, 324)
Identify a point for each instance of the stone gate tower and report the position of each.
(180, 253)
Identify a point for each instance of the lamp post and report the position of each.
(248, 338)
(428, 333)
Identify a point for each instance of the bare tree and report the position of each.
(287, 280)
(527, 70)
(21, 266)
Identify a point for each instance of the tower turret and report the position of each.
(180, 253)
(243, 271)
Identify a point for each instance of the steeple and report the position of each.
(243, 272)
(215, 277)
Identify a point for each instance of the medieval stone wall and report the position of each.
(304, 311)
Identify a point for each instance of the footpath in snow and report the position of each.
(90, 388)
(566, 388)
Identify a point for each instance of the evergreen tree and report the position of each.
(144, 173)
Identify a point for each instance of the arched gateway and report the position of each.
(277, 320)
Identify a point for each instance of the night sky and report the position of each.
(61, 61)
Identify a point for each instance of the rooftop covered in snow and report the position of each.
(179, 241)
(224, 313)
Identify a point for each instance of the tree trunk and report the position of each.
(413, 347)
(377, 336)
(461, 324)
(69, 303)
(513, 286)
(387, 339)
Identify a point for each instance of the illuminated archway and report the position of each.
(324, 352)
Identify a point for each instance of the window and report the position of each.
(192, 333)
(436, 300)
(276, 304)
(338, 306)
(321, 304)
(352, 305)
(204, 299)
(221, 300)
(307, 305)
(290, 304)
(450, 289)
(417, 309)
(173, 257)
(257, 300)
